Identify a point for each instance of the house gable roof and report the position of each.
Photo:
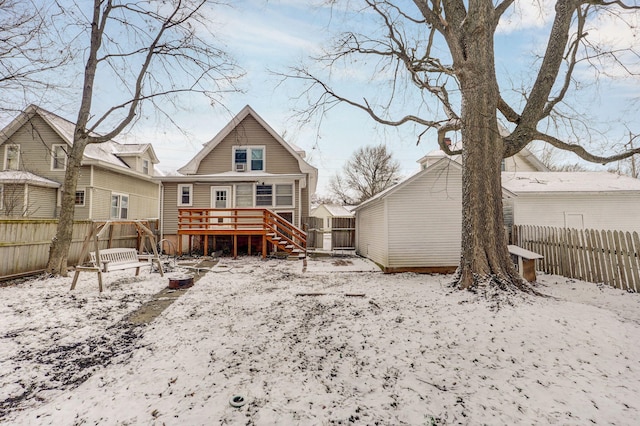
(192, 166)
(334, 210)
(105, 153)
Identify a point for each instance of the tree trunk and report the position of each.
(484, 255)
(59, 251)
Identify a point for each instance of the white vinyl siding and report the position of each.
(610, 211)
(371, 233)
(425, 221)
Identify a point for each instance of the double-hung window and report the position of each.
(244, 195)
(145, 167)
(58, 157)
(185, 195)
(264, 195)
(284, 195)
(119, 206)
(80, 197)
(248, 158)
(12, 157)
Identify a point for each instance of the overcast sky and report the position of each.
(266, 35)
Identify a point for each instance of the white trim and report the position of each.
(249, 149)
(1, 196)
(120, 195)
(179, 200)
(6, 158)
(53, 157)
(293, 195)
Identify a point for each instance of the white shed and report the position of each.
(416, 224)
(581, 200)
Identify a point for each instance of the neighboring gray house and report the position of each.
(116, 180)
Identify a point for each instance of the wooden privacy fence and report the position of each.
(313, 227)
(25, 243)
(343, 233)
(610, 257)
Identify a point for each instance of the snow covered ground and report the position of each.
(359, 347)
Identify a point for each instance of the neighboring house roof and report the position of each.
(335, 210)
(192, 166)
(524, 153)
(22, 177)
(564, 182)
(106, 153)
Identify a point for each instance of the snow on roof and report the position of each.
(337, 210)
(21, 177)
(530, 182)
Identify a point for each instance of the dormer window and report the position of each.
(145, 167)
(248, 159)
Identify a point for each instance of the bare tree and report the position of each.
(152, 49)
(445, 50)
(370, 170)
(28, 48)
(629, 166)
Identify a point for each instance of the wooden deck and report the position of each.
(264, 224)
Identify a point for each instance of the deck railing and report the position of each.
(242, 221)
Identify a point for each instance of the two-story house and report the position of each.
(116, 180)
(229, 195)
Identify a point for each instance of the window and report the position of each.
(503, 165)
(12, 157)
(145, 167)
(80, 198)
(1, 197)
(264, 195)
(119, 206)
(58, 157)
(184, 195)
(257, 159)
(248, 159)
(244, 195)
(284, 195)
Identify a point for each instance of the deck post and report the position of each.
(235, 246)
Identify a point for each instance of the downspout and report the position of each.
(91, 193)
(299, 205)
(25, 201)
(161, 209)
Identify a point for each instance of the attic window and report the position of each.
(248, 159)
(145, 167)
(58, 157)
(12, 157)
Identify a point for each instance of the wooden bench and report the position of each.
(113, 259)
